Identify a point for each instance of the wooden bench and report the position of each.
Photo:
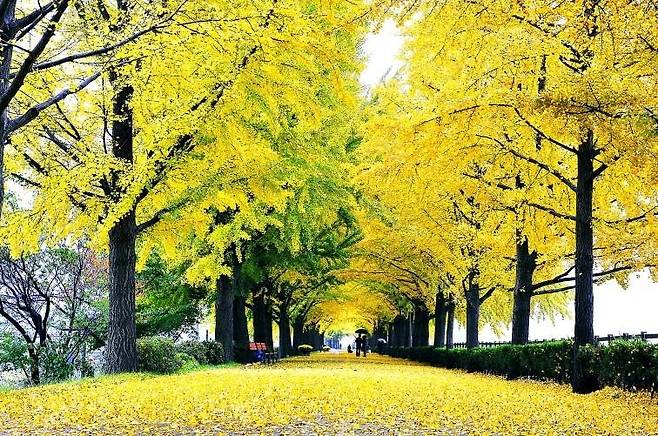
(263, 353)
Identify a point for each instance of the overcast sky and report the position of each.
(616, 310)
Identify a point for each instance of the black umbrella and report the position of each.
(362, 332)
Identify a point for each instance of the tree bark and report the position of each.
(269, 320)
(407, 330)
(450, 322)
(35, 375)
(307, 336)
(584, 299)
(259, 318)
(421, 328)
(472, 310)
(440, 320)
(240, 326)
(378, 332)
(121, 349)
(297, 334)
(401, 331)
(319, 338)
(7, 32)
(224, 316)
(526, 263)
(121, 338)
(284, 331)
(389, 334)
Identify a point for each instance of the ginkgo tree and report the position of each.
(453, 226)
(152, 140)
(43, 45)
(567, 89)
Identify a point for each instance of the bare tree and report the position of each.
(49, 297)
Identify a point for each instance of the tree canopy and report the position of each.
(224, 159)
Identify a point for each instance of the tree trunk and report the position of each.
(307, 336)
(35, 375)
(440, 321)
(401, 331)
(381, 330)
(526, 263)
(121, 346)
(584, 300)
(269, 320)
(450, 322)
(284, 331)
(6, 24)
(389, 334)
(472, 310)
(320, 340)
(311, 337)
(259, 318)
(224, 316)
(407, 330)
(378, 332)
(421, 326)
(297, 334)
(240, 326)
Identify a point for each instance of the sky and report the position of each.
(616, 310)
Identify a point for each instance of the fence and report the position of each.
(643, 336)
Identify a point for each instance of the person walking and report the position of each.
(359, 345)
(364, 346)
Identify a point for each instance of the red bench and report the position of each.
(263, 353)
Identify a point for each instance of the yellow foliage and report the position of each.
(324, 393)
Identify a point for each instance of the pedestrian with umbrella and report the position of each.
(361, 342)
(381, 342)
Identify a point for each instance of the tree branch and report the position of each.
(551, 211)
(34, 111)
(536, 129)
(598, 275)
(533, 161)
(100, 51)
(159, 215)
(487, 295)
(554, 291)
(555, 280)
(31, 58)
(31, 19)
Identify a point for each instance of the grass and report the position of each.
(323, 393)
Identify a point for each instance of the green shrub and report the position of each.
(195, 349)
(631, 365)
(546, 360)
(186, 362)
(214, 352)
(85, 367)
(54, 364)
(305, 349)
(157, 354)
(13, 353)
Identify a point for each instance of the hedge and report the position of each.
(631, 365)
(205, 352)
(305, 349)
(159, 355)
